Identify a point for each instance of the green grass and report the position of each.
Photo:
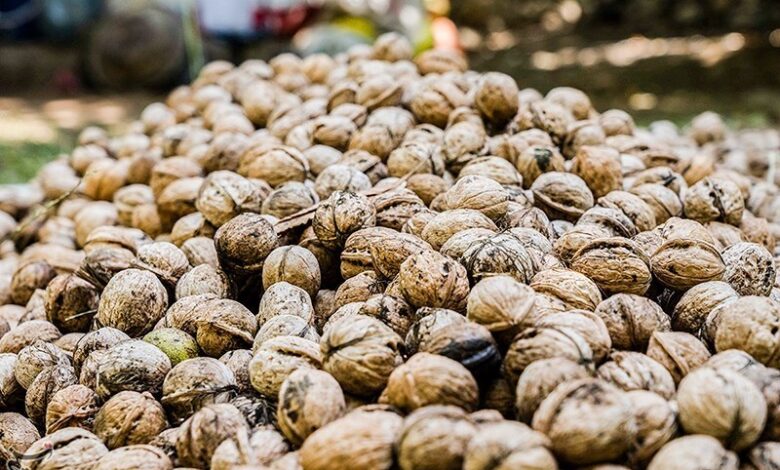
(20, 161)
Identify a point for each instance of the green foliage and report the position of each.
(20, 161)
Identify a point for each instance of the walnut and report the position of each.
(244, 242)
(567, 417)
(441, 61)
(562, 195)
(72, 406)
(133, 301)
(664, 202)
(750, 269)
(74, 448)
(656, 423)
(502, 304)
(204, 431)
(444, 431)
(538, 343)
(574, 289)
(463, 142)
(677, 351)
(27, 333)
(689, 451)
(616, 265)
(750, 324)
(434, 101)
(340, 215)
(496, 98)
(146, 457)
(631, 320)
(540, 378)
(194, 383)
(740, 411)
(635, 371)
(288, 199)
(362, 439)
(264, 446)
(18, 434)
(308, 400)
(433, 280)
(683, 263)
(275, 164)
(28, 277)
(133, 365)
(344, 344)
(714, 199)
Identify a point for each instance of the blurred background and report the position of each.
(65, 64)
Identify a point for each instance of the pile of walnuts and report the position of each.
(378, 261)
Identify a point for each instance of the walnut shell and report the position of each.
(195, 383)
(140, 457)
(27, 278)
(679, 352)
(714, 199)
(750, 269)
(429, 279)
(681, 263)
(26, 333)
(576, 290)
(698, 302)
(363, 439)
(244, 242)
(599, 167)
(444, 431)
(587, 324)
(68, 299)
(587, 421)
(502, 253)
(631, 320)
(225, 194)
(634, 207)
(276, 164)
(664, 202)
(616, 265)
(100, 339)
(534, 344)
(263, 447)
(512, 444)
(18, 434)
(562, 195)
(470, 344)
(656, 423)
(345, 344)
(71, 448)
(750, 324)
(723, 404)
(204, 431)
(133, 301)
(46, 384)
(501, 304)
(295, 265)
(540, 378)
(276, 358)
(448, 223)
(204, 279)
(308, 400)
(73, 406)
(635, 371)
(133, 365)
(32, 359)
(288, 199)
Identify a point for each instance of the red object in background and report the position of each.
(66, 82)
(281, 21)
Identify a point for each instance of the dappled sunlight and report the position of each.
(706, 50)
